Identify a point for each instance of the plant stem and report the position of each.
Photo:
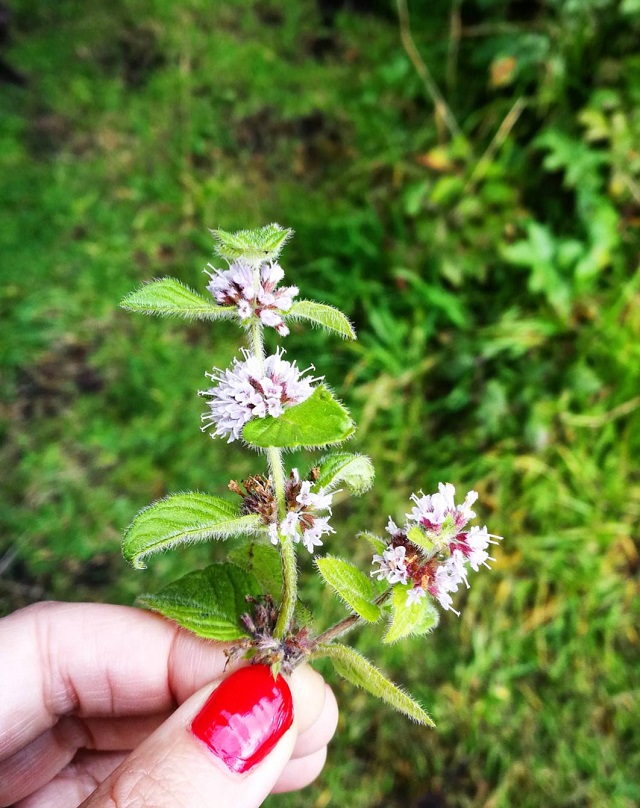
(347, 624)
(257, 342)
(276, 470)
(287, 549)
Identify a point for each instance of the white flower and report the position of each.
(246, 390)
(320, 501)
(431, 510)
(448, 578)
(478, 540)
(465, 509)
(391, 527)
(231, 285)
(253, 292)
(289, 526)
(273, 533)
(293, 528)
(393, 567)
(302, 523)
(415, 595)
(311, 536)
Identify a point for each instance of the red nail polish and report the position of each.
(245, 717)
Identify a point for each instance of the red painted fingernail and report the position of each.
(245, 717)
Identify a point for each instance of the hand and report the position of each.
(88, 698)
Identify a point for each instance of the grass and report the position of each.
(499, 320)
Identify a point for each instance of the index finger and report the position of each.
(94, 659)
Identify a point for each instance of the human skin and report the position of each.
(96, 705)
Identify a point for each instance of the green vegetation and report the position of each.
(487, 254)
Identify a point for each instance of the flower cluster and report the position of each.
(253, 389)
(434, 549)
(254, 292)
(302, 522)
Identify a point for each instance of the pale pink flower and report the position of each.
(248, 390)
(255, 293)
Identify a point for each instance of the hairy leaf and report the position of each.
(354, 470)
(170, 298)
(418, 537)
(207, 602)
(323, 315)
(360, 672)
(180, 519)
(264, 561)
(261, 244)
(351, 585)
(318, 421)
(416, 618)
(378, 545)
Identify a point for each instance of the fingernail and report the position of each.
(245, 717)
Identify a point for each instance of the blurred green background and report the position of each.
(484, 241)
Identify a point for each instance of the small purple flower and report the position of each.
(302, 522)
(255, 293)
(435, 550)
(431, 510)
(392, 565)
(246, 390)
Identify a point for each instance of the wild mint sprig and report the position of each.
(271, 405)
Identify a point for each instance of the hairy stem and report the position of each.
(287, 550)
(290, 589)
(276, 470)
(347, 624)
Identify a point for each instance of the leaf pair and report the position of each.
(168, 297)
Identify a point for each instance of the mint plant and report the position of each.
(271, 405)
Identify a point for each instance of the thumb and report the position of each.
(225, 746)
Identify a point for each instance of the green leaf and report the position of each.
(262, 244)
(180, 519)
(351, 585)
(418, 537)
(378, 545)
(207, 602)
(170, 298)
(318, 421)
(355, 471)
(263, 561)
(416, 618)
(322, 315)
(361, 673)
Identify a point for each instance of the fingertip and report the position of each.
(301, 772)
(321, 732)
(308, 691)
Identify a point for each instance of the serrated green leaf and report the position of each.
(207, 602)
(318, 421)
(322, 315)
(351, 585)
(415, 618)
(183, 518)
(361, 673)
(377, 544)
(263, 561)
(354, 470)
(262, 244)
(170, 298)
